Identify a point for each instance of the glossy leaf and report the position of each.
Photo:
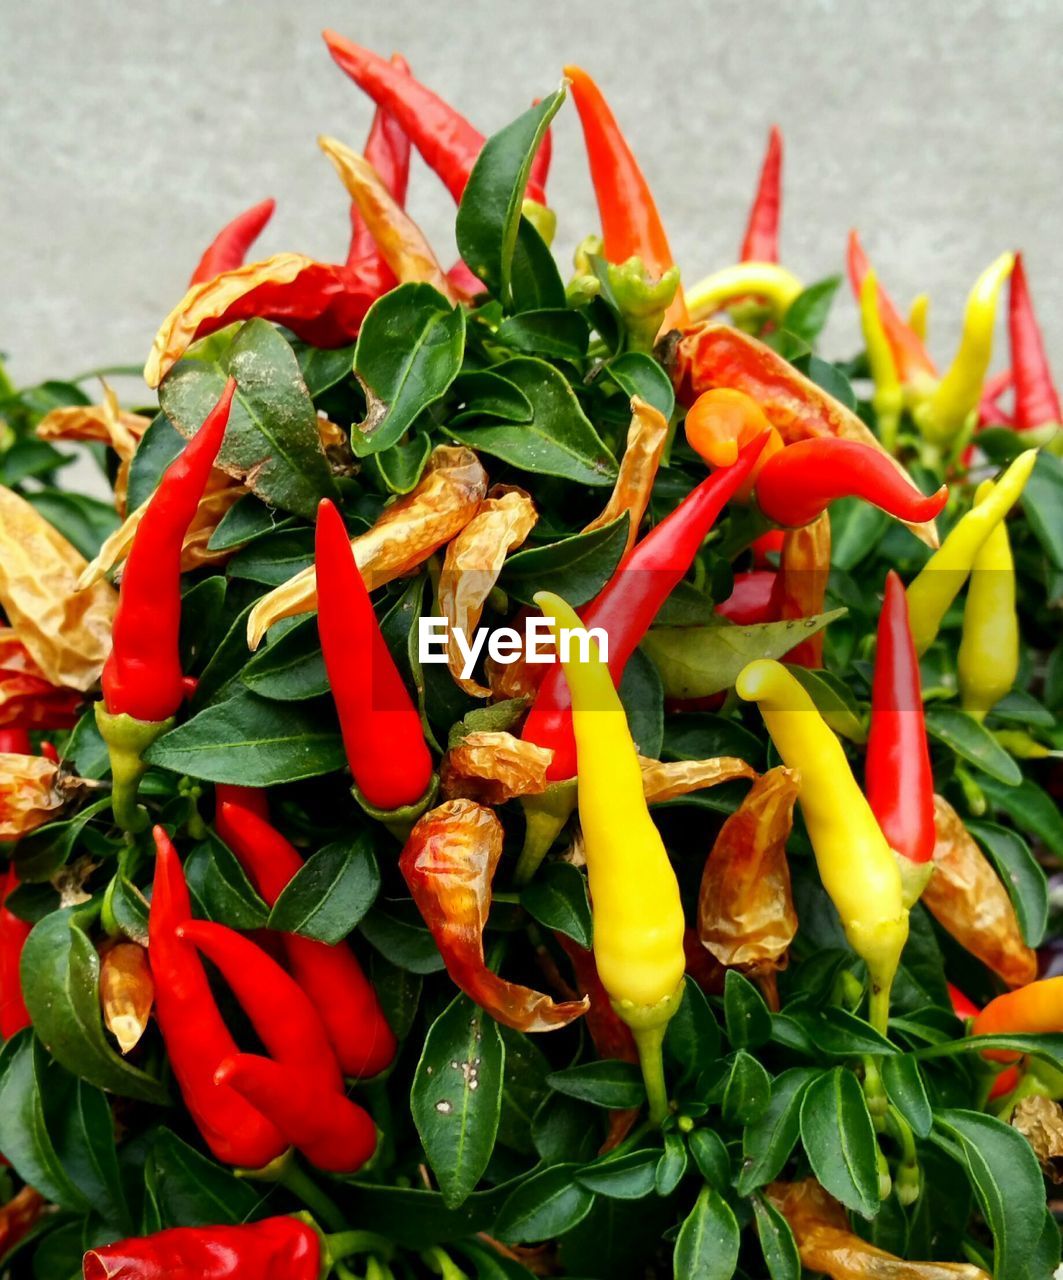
(972, 742)
(747, 1016)
(606, 1083)
(707, 1245)
(544, 1206)
(557, 898)
(576, 568)
(1021, 873)
(839, 1140)
(331, 893)
(777, 1242)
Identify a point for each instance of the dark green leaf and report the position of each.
(971, 741)
(523, 1090)
(408, 945)
(626, 1177)
(409, 352)
(710, 1155)
(221, 887)
(905, 1088)
(44, 851)
(482, 393)
(274, 558)
(747, 1090)
(637, 374)
(399, 468)
(834, 701)
(247, 519)
(1029, 807)
(290, 668)
(856, 528)
(837, 1033)
(707, 1245)
(83, 521)
(606, 1083)
(1042, 503)
(558, 333)
(192, 1191)
(692, 1040)
(536, 283)
(544, 1206)
(558, 899)
(158, 447)
(747, 1017)
(576, 568)
(839, 1140)
(776, 1240)
(251, 742)
(1021, 874)
(807, 314)
(61, 983)
(323, 369)
(642, 695)
(672, 1165)
(456, 1098)
(331, 893)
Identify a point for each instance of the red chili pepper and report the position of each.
(631, 225)
(798, 483)
(330, 975)
(628, 603)
(388, 150)
(197, 1039)
(280, 1011)
(334, 1133)
(274, 1249)
(15, 742)
(962, 1006)
(448, 143)
(142, 677)
(752, 599)
(382, 732)
(761, 242)
(1036, 398)
(990, 414)
(767, 544)
(13, 934)
(909, 353)
(229, 247)
(898, 780)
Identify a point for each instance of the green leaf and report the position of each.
(523, 1090)
(192, 1191)
(400, 468)
(23, 1133)
(79, 1119)
(544, 1206)
(707, 1245)
(637, 374)
(220, 886)
(275, 557)
(409, 351)
(331, 893)
(158, 447)
(322, 369)
(290, 668)
(251, 742)
(626, 1177)
(559, 440)
(272, 436)
(692, 1039)
(642, 695)
(606, 1083)
(576, 568)
(83, 521)
(747, 1090)
(695, 662)
(747, 1017)
(1007, 1182)
(808, 313)
(61, 984)
(1029, 807)
(971, 741)
(218, 678)
(555, 332)
(42, 852)
(482, 393)
(672, 1165)
(1020, 708)
(1047, 1045)
(710, 1155)
(489, 215)
(856, 528)
(557, 898)
(406, 944)
(456, 1098)
(247, 519)
(1021, 873)
(837, 1033)
(905, 1088)
(839, 1140)
(834, 702)
(829, 377)
(776, 1242)
(1042, 504)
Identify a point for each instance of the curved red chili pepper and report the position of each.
(767, 544)
(388, 150)
(274, 1249)
(229, 247)
(448, 143)
(631, 225)
(909, 353)
(798, 483)
(197, 1039)
(334, 1133)
(16, 742)
(382, 732)
(628, 603)
(281, 1013)
(1036, 398)
(752, 599)
(142, 676)
(13, 934)
(330, 975)
(761, 241)
(899, 782)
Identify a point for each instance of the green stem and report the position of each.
(879, 1005)
(909, 1175)
(875, 1092)
(322, 1206)
(439, 1261)
(544, 816)
(343, 1244)
(650, 1043)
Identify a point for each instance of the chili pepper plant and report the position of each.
(351, 926)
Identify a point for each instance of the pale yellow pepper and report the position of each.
(988, 660)
(857, 867)
(762, 280)
(638, 914)
(888, 397)
(939, 581)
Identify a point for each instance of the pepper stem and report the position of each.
(127, 739)
(650, 1043)
(544, 816)
(400, 822)
(879, 1002)
(909, 1175)
(322, 1206)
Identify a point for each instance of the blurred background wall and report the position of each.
(132, 131)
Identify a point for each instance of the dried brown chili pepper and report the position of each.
(29, 794)
(646, 437)
(127, 992)
(28, 699)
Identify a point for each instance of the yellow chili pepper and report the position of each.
(638, 914)
(767, 280)
(857, 866)
(888, 397)
(947, 411)
(939, 581)
(919, 315)
(988, 660)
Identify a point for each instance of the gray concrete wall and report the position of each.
(131, 131)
